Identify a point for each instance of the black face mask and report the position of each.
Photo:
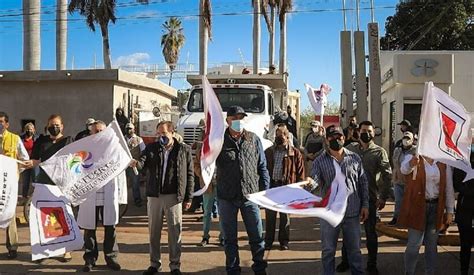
(54, 131)
(336, 144)
(129, 132)
(29, 133)
(365, 137)
(279, 141)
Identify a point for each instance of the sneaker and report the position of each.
(175, 272)
(12, 254)
(151, 270)
(393, 222)
(87, 268)
(204, 242)
(114, 266)
(284, 247)
(342, 267)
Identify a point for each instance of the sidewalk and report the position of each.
(304, 256)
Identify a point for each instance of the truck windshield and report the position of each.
(252, 100)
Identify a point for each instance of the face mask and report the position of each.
(129, 132)
(352, 123)
(164, 140)
(336, 144)
(89, 127)
(365, 137)
(407, 142)
(237, 125)
(29, 133)
(279, 140)
(54, 131)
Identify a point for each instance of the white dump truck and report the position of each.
(259, 95)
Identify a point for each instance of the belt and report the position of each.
(432, 200)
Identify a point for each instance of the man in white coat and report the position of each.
(102, 206)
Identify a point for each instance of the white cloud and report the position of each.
(132, 59)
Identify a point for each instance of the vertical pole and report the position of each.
(375, 77)
(346, 77)
(361, 80)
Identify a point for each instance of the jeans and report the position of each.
(253, 224)
(134, 181)
(398, 191)
(26, 178)
(351, 240)
(208, 200)
(430, 239)
(464, 216)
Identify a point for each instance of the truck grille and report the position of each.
(191, 135)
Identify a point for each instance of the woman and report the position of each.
(28, 138)
(428, 195)
(45, 147)
(465, 213)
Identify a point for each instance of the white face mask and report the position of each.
(407, 142)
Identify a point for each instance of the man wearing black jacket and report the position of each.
(465, 213)
(170, 183)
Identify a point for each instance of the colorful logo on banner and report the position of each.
(79, 161)
(53, 221)
(451, 131)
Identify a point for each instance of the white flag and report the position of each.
(445, 133)
(318, 98)
(8, 189)
(213, 135)
(293, 199)
(53, 229)
(86, 165)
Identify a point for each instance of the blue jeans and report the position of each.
(208, 200)
(253, 224)
(26, 178)
(134, 181)
(351, 240)
(398, 191)
(430, 238)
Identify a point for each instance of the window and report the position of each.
(252, 100)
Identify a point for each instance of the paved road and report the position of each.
(304, 256)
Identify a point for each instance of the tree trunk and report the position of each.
(271, 41)
(203, 40)
(105, 46)
(31, 35)
(61, 34)
(171, 77)
(283, 46)
(256, 36)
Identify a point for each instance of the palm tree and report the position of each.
(205, 33)
(61, 34)
(284, 6)
(172, 41)
(97, 12)
(270, 21)
(31, 35)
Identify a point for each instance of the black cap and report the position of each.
(405, 122)
(236, 110)
(333, 130)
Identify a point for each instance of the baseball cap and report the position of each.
(405, 122)
(333, 130)
(236, 110)
(129, 126)
(315, 123)
(90, 121)
(408, 135)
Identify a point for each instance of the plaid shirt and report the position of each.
(279, 154)
(323, 174)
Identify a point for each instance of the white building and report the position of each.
(404, 74)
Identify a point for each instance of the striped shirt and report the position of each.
(323, 174)
(278, 155)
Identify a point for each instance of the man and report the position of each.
(405, 125)
(286, 165)
(101, 206)
(88, 131)
(376, 165)
(170, 183)
(241, 170)
(313, 144)
(398, 179)
(136, 147)
(291, 123)
(357, 210)
(122, 120)
(352, 125)
(11, 146)
(351, 135)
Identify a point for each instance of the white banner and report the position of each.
(293, 199)
(53, 229)
(213, 135)
(445, 130)
(86, 165)
(318, 98)
(8, 189)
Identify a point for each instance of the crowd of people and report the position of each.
(423, 189)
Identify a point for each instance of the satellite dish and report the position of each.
(156, 112)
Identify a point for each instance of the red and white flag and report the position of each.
(445, 130)
(318, 98)
(213, 134)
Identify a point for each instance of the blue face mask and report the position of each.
(164, 140)
(237, 126)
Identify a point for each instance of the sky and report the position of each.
(312, 37)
